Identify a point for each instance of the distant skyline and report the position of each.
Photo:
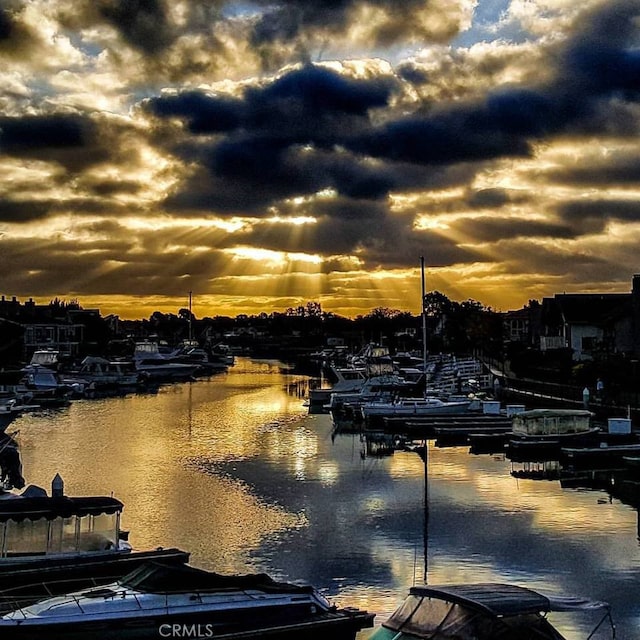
(265, 154)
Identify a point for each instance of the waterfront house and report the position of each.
(592, 324)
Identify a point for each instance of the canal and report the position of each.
(234, 470)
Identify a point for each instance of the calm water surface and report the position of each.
(234, 470)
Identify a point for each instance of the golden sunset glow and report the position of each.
(172, 148)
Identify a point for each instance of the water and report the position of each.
(235, 470)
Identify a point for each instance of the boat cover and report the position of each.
(505, 599)
(156, 577)
(21, 508)
(478, 612)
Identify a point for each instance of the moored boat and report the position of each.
(484, 611)
(157, 599)
(412, 407)
(101, 373)
(48, 543)
(152, 365)
(551, 429)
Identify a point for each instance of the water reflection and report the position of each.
(235, 470)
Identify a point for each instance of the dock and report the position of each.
(453, 425)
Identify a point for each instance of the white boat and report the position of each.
(374, 388)
(412, 407)
(100, 372)
(347, 380)
(46, 387)
(485, 611)
(151, 364)
(207, 362)
(158, 600)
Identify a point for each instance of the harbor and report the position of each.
(273, 489)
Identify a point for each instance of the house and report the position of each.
(523, 325)
(592, 324)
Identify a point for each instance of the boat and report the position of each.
(414, 407)
(551, 429)
(483, 611)
(159, 600)
(429, 404)
(599, 457)
(8, 413)
(49, 542)
(152, 365)
(101, 373)
(347, 380)
(378, 387)
(43, 386)
(190, 352)
(10, 463)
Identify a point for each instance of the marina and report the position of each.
(272, 489)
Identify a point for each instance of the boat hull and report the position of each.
(338, 625)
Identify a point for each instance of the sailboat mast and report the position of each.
(424, 325)
(190, 294)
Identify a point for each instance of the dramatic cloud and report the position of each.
(318, 149)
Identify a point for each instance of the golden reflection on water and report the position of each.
(148, 451)
(234, 470)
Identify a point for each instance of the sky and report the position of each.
(264, 154)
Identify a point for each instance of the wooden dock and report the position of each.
(458, 425)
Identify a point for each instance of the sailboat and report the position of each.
(428, 405)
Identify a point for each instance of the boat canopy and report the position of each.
(156, 577)
(484, 611)
(506, 599)
(19, 509)
(552, 421)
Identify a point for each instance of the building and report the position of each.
(592, 324)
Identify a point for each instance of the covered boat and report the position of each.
(551, 429)
(484, 611)
(552, 422)
(47, 539)
(159, 600)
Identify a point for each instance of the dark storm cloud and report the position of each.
(302, 105)
(495, 228)
(281, 140)
(41, 132)
(621, 170)
(463, 135)
(203, 113)
(593, 215)
(143, 24)
(22, 211)
(6, 25)
(597, 66)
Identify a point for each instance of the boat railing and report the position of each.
(18, 604)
